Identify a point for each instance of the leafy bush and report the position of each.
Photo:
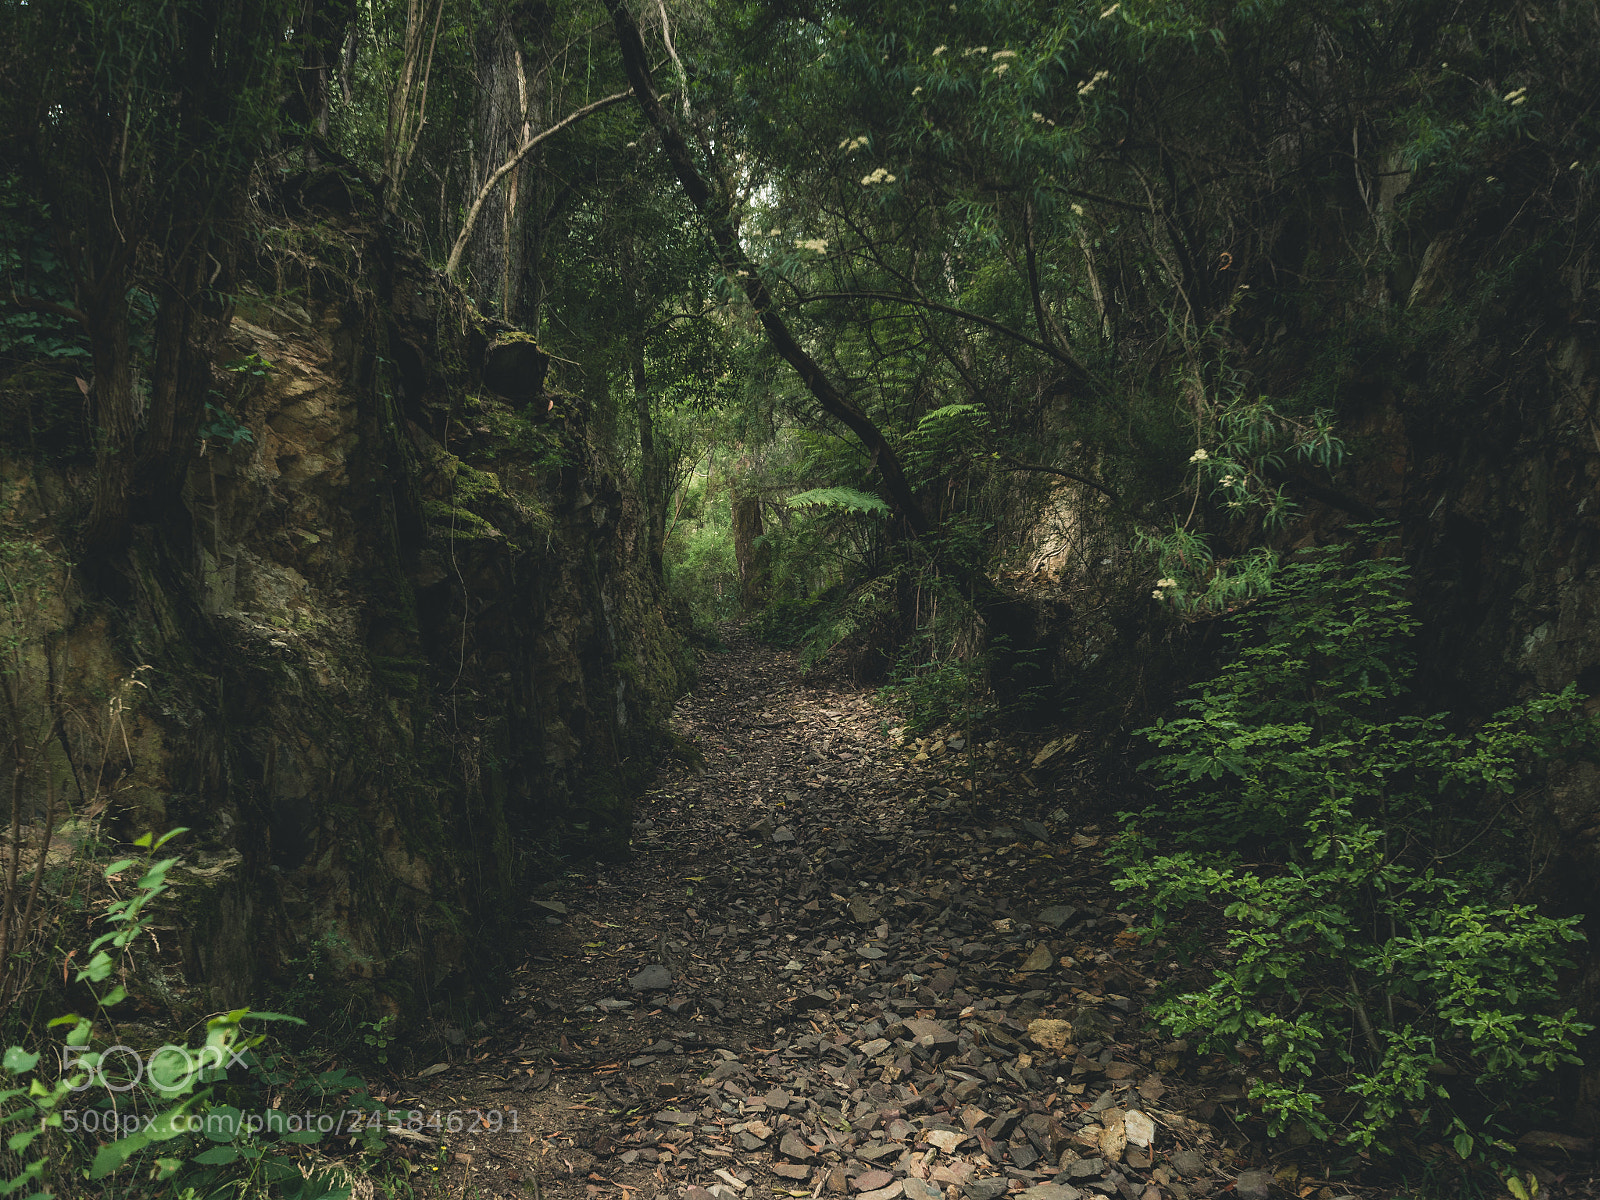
(788, 621)
(1319, 821)
(701, 572)
(171, 1115)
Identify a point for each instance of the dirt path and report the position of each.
(838, 966)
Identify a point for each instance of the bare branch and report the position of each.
(1076, 478)
(1059, 355)
(510, 165)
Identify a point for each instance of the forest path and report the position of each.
(829, 972)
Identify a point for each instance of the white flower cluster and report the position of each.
(1161, 585)
(851, 145)
(1090, 84)
(939, 49)
(1111, 11)
(1514, 98)
(817, 244)
(999, 54)
(1199, 456)
(879, 176)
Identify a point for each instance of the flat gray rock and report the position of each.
(783, 835)
(1253, 1185)
(916, 1189)
(1057, 915)
(552, 906)
(653, 978)
(794, 1147)
(1188, 1163)
(1051, 1191)
(862, 911)
(986, 1189)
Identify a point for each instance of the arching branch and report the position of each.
(510, 165)
(1076, 478)
(1054, 352)
(716, 210)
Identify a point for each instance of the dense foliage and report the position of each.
(1389, 985)
(926, 331)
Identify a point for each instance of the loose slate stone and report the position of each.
(552, 906)
(1057, 915)
(653, 978)
(917, 1189)
(1188, 1163)
(986, 1189)
(1040, 960)
(945, 1139)
(1051, 1191)
(870, 952)
(920, 1028)
(873, 1152)
(861, 911)
(1141, 1130)
(956, 1173)
(871, 1181)
(726, 1069)
(875, 1047)
(972, 1117)
(883, 1193)
(777, 1099)
(673, 1117)
(808, 1001)
(791, 1170)
(1253, 1185)
(793, 1147)
(782, 835)
(942, 981)
(1050, 1034)
(698, 1193)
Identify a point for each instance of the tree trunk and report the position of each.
(652, 473)
(510, 108)
(751, 555)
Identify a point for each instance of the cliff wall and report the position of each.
(399, 650)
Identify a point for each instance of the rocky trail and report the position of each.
(838, 966)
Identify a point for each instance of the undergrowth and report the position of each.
(1392, 993)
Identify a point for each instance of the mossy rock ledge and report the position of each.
(407, 654)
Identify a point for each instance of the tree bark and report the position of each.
(509, 113)
(750, 554)
(652, 473)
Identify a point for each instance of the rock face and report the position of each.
(404, 648)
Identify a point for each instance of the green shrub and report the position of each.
(789, 621)
(1388, 982)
